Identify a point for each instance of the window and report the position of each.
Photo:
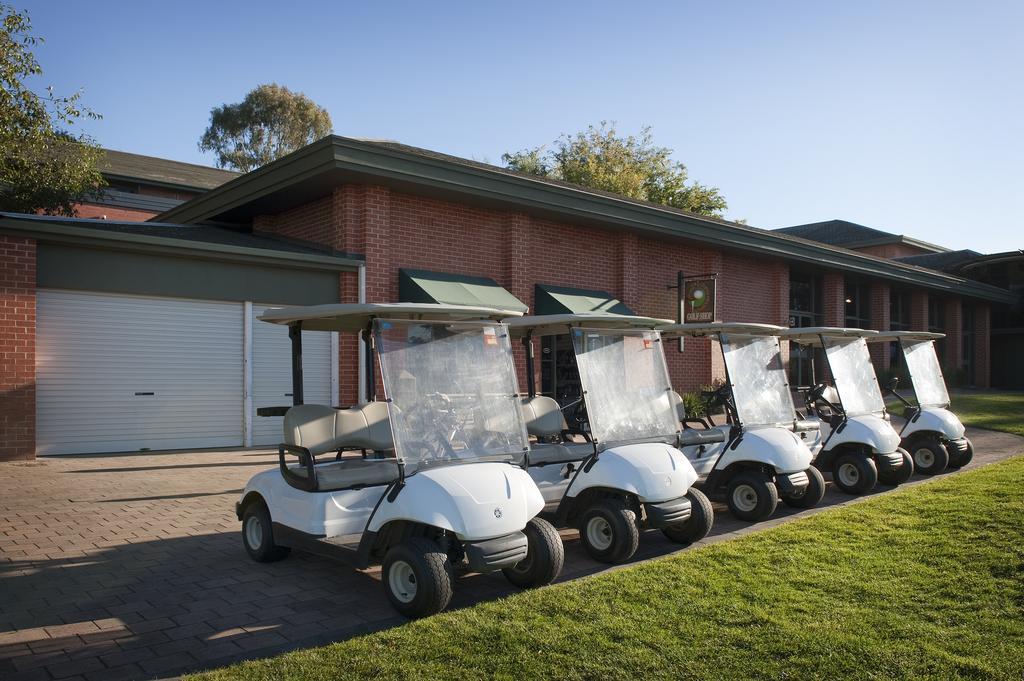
(805, 309)
(858, 305)
(899, 310)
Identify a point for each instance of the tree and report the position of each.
(633, 166)
(43, 167)
(270, 122)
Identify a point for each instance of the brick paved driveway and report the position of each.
(117, 567)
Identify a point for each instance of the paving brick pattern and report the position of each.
(125, 567)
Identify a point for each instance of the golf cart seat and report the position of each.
(831, 394)
(319, 429)
(544, 418)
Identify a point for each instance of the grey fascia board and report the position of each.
(166, 245)
(289, 171)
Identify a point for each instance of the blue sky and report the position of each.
(906, 116)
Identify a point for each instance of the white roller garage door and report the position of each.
(124, 373)
(272, 373)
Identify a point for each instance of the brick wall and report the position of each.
(85, 210)
(833, 293)
(892, 250)
(17, 348)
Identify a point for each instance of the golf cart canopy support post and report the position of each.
(295, 335)
(531, 383)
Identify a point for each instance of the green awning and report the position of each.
(565, 300)
(421, 286)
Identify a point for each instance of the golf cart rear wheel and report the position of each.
(258, 535)
(417, 577)
(811, 495)
(544, 558)
(898, 476)
(698, 525)
(752, 496)
(608, 531)
(930, 456)
(960, 458)
(854, 473)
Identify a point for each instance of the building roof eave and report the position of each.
(334, 160)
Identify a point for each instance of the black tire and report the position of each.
(930, 456)
(854, 473)
(899, 475)
(258, 535)
(752, 496)
(608, 531)
(958, 459)
(698, 525)
(811, 495)
(426, 573)
(544, 560)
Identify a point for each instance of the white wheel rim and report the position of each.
(254, 532)
(402, 581)
(924, 458)
(744, 497)
(599, 533)
(848, 474)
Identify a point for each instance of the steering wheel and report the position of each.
(815, 392)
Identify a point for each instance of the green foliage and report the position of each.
(43, 167)
(270, 122)
(696, 404)
(630, 165)
(924, 582)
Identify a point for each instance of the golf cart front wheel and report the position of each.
(930, 456)
(811, 495)
(898, 476)
(854, 473)
(544, 558)
(258, 535)
(960, 456)
(698, 525)
(752, 496)
(417, 577)
(608, 531)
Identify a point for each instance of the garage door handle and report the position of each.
(287, 394)
(144, 393)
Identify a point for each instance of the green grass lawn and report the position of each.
(924, 582)
(993, 410)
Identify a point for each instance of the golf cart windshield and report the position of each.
(854, 375)
(626, 385)
(925, 373)
(759, 386)
(452, 392)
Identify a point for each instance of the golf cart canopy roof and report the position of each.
(356, 316)
(905, 335)
(713, 328)
(811, 335)
(558, 324)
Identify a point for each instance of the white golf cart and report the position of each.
(628, 473)
(930, 426)
(761, 455)
(858, 443)
(437, 484)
